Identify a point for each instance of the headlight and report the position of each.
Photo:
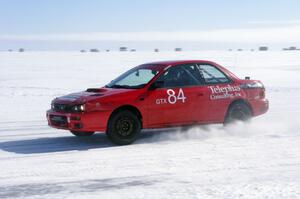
(78, 108)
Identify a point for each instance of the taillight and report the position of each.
(262, 93)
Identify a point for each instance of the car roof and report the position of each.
(160, 65)
(176, 62)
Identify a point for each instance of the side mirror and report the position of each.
(247, 78)
(156, 84)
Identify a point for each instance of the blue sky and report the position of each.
(50, 21)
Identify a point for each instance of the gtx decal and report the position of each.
(172, 97)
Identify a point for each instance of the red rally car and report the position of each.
(159, 95)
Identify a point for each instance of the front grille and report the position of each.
(60, 121)
(62, 108)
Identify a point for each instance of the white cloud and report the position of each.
(249, 35)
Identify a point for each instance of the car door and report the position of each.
(173, 103)
(218, 91)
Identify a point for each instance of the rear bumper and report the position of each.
(92, 121)
(260, 107)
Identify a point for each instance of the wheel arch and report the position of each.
(236, 101)
(130, 108)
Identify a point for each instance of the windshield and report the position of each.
(133, 79)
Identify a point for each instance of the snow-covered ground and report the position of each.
(256, 160)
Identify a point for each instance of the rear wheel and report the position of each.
(123, 128)
(82, 133)
(238, 112)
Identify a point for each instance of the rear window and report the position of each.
(212, 75)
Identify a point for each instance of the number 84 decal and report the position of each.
(173, 98)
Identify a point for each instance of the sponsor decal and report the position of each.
(224, 92)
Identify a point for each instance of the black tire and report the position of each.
(82, 133)
(123, 128)
(239, 111)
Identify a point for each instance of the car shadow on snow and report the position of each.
(55, 144)
(69, 143)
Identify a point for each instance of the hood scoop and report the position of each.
(96, 90)
(93, 90)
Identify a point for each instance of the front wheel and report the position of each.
(82, 133)
(123, 128)
(238, 112)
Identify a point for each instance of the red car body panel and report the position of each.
(200, 104)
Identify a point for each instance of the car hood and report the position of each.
(89, 95)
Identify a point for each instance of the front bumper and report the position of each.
(92, 121)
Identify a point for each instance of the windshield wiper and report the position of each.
(125, 86)
(119, 86)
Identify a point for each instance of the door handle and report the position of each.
(200, 94)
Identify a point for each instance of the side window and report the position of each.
(194, 72)
(178, 76)
(212, 75)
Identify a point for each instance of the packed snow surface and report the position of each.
(256, 160)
